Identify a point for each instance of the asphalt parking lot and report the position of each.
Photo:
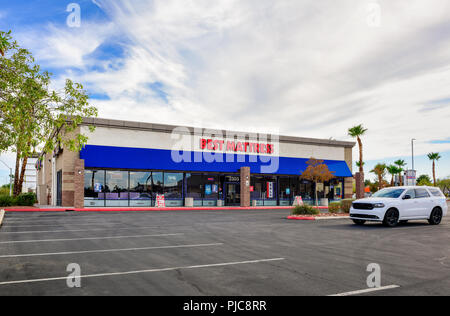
(217, 253)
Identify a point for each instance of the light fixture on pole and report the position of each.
(10, 177)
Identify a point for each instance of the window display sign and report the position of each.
(270, 190)
(298, 201)
(97, 187)
(215, 188)
(208, 189)
(160, 201)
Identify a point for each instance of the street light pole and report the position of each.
(10, 177)
(412, 152)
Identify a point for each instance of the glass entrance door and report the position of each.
(232, 193)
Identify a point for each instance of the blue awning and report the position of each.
(158, 159)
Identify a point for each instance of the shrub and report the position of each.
(334, 207)
(346, 204)
(25, 199)
(6, 200)
(305, 210)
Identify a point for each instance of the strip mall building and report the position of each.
(133, 164)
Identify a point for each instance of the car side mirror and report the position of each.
(407, 197)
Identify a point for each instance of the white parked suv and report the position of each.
(401, 204)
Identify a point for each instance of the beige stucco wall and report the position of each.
(106, 136)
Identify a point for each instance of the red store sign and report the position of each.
(236, 146)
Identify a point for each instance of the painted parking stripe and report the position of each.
(75, 230)
(63, 224)
(88, 238)
(376, 289)
(107, 250)
(213, 265)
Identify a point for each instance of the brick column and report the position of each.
(359, 177)
(79, 183)
(348, 188)
(245, 186)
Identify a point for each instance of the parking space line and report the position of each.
(145, 271)
(87, 238)
(376, 289)
(75, 230)
(107, 250)
(59, 225)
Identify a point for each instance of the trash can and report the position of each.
(189, 202)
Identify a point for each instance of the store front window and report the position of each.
(194, 188)
(285, 191)
(211, 190)
(141, 189)
(94, 188)
(173, 189)
(263, 190)
(116, 188)
(157, 181)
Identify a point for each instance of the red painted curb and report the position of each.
(153, 209)
(301, 218)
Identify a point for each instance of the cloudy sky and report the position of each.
(299, 67)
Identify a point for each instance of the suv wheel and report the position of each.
(359, 222)
(391, 218)
(436, 216)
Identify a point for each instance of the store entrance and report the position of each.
(232, 193)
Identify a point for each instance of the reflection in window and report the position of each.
(157, 181)
(173, 185)
(116, 188)
(173, 189)
(94, 188)
(141, 189)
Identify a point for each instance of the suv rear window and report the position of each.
(436, 192)
(422, 193)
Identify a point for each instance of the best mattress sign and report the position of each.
(236, 146)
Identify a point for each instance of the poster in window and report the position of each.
(97, 187)
(270, 189)
(208, 189)
(160, 201)
(215, 188)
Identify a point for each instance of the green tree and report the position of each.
(357, 132)
(33, 115)
(392, 170)
(380, 171)
(317, 172)
(400, 164)
(5, 42)
(423, 179)
(434, 157)
(444, 185)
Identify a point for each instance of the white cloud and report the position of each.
(307, 68)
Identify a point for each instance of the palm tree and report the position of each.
(400, 163)
(357, 132)
(392, 170)
(380, 171)
(434, 157)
